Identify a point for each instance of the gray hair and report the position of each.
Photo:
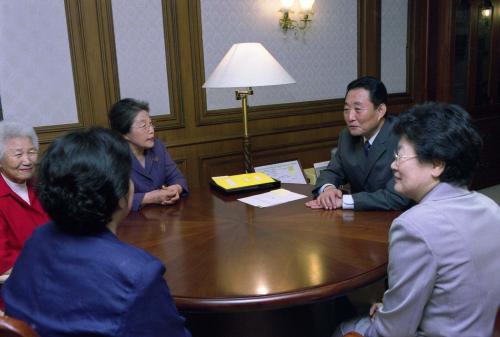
(9, 130)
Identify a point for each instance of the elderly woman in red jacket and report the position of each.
(20, 210)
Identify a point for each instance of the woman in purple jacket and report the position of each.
(156, 178)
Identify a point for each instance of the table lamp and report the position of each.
(247, 65)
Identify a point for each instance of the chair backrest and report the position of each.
(11, 327)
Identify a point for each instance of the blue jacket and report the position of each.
(68, 285)
(160, 170)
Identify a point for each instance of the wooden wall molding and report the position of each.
(417, 60)
(171, 36)
(273, 154)
(369, 48)
(369, 14)
(93, 70)
(441, 44)
(108, 54)
(197, 69)
(80, 17)
(182, 164)
(175, 119)
(214, 138)
(221, 116)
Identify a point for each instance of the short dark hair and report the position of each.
(377, 90)
(82, 177)
(443, 132)
(122, 114)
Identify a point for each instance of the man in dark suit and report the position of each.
(364, 155)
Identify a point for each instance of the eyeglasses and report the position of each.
(19, 154)
(400, 157)
(145, 126)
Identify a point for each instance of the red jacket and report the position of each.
(18, 219)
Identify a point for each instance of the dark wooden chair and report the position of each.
(11, 327)
(496, 329)
(353, 334)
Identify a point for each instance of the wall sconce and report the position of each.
(287, 23)
(486, 9)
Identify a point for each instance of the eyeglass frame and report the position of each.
(398, 157)
(17, 154)
(145, 127)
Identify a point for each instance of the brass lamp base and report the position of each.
(247, 152)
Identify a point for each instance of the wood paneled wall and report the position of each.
(485, 112)
(207, 143)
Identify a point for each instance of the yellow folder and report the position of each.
(244, 182)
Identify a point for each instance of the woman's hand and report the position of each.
(166, 195)
(374, 308)
(172, 194)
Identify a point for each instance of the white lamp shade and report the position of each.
(248, 65)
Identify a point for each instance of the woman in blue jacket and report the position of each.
(156, 178)
(74, 277)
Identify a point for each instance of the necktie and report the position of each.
(366, 147)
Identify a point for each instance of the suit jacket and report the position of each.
(159, 170)
(370, 178)
(18, 219)
(443, 267)
(69, 285)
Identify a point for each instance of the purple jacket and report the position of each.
(160, 170)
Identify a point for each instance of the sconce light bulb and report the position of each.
(306, 5)
(486, 12)
(287, 4)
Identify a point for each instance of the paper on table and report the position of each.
(272, 198)
(286, 172)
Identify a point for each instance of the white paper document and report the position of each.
(272, 198)
(287, 172)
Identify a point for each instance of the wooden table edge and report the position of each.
(280, 300)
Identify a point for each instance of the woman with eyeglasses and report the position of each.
(155, 175)
(443, 252)
(20, 209)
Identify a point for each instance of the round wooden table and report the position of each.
(223, 255)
